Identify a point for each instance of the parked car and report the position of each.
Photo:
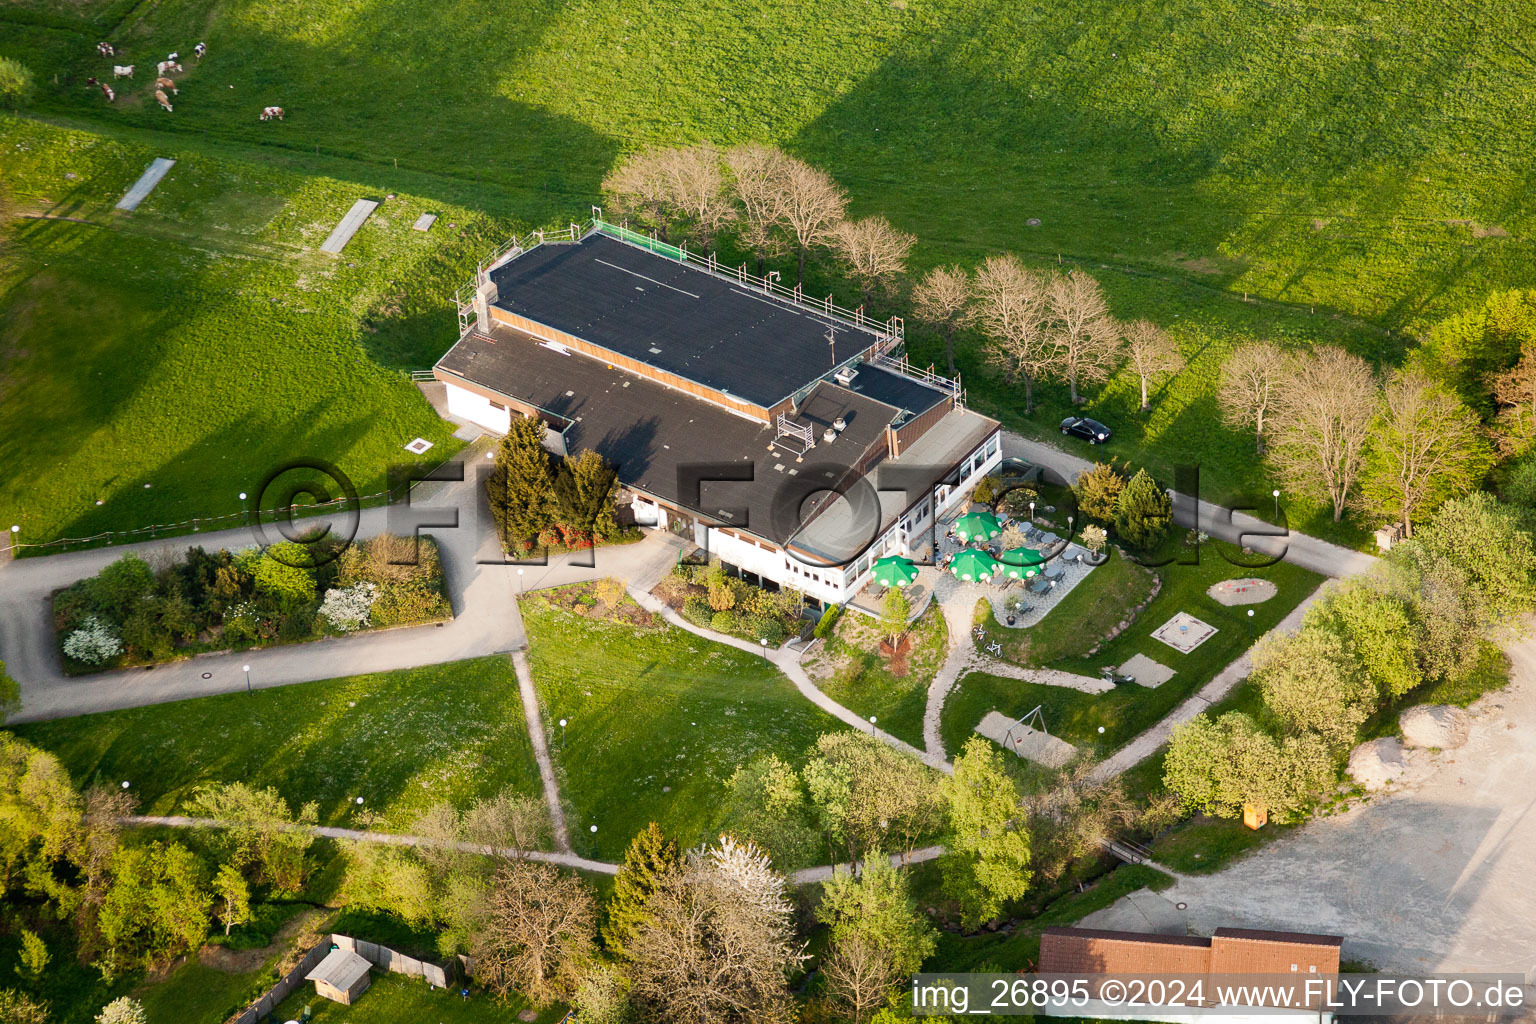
(1089, 430)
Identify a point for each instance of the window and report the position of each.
(992, 443)
(498, 406)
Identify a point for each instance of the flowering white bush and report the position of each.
(122, 1011)
(347, 608)
(93, 643)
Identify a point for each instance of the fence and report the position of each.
(379, 956)
(891, 331)
(194, 525)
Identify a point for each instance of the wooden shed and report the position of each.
(341, 977)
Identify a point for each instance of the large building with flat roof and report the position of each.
(785, 435)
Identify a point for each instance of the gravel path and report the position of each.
(535, 718)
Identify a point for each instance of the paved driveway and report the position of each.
(483, 590)
(1439, 876)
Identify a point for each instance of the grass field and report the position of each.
(163, 363)
(395, 999)
(1128, 710)
(401, 740)
(850, 670)
(1231, 169)
(657, 720)
(1078, 621)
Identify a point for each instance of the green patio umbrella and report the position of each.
(893, 571)
(971, 565)
(977, 526)
(1022, 563)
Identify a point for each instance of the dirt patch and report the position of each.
(1318, 223)
(896, 654)
(1242, 591)
(244, 961)
(1478, 230)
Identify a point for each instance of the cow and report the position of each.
(166, 83)
(106, 50)
(122, 70)
(161, 99)
(167, 65)
(268, 113)
(173, 55)
(199, 50)
(106, 90)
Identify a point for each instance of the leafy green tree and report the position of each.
(10, 695)
(1143, 511)
(867, 795)
(234, 896)
(988, 862)
(17, 1007)
(391, 880)
(1378, 630)
(649, 861)
(282, 571)
(521, 490)
(1098, 492)
(119, 587)
(40, 813)
(1468, 349)
(878, 938)
(1425, 446)
(1218, 766)
(1310, 679)
(156, 908)
(766, 803)
(1470, 577)
(15, 83)
(32, 959)
(585, 495)
(257, 832)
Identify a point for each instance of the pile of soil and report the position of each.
(896, 655)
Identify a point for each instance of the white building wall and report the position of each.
(478, 410)
(824, 584)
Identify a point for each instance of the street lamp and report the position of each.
(594, 828)
(871, 725)
(247, 670)
(1276, 495)
(562, 734)
(519, 582)
(764, 642)
(125, 783)
(1031, 511)
(1250, 623)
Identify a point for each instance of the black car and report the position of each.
(1089, 430)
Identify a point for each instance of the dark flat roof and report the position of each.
(1264, 935)
(649, 430)
(910, 396)
(1120, 936)
(686, 321)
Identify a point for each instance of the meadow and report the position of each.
(657, 720)
(1230, 169)
(400, 740)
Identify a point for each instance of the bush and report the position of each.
(280, 571)
(120, 586)
(15, 83)
(986, 491)
(1143, 511)
(828, 621)
(724, 622)
(1518, 486)
(697, 611)
(1098, 492)
(94, 643)
(347, 608)
(763, 628)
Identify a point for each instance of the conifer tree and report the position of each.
(649, 861)
(1143, 511)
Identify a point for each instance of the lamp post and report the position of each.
(1031, 511)
(247, 670)
(519, 581)
(871, 725)
(1250, 623)
(764, 642)
(562, 735)
(1276, 495)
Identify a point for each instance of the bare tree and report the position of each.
(1322, 418)
(874, 251)
(810, 205)
(757, 182)
(1425, 446)
(538, 924)
(1087, 337)
(1011, 308)
(1152, 353)
(639, 186)
(719, 945)
(940, 299)
(507, 822)
(860, 975)
(697, 189)
(1249, 381)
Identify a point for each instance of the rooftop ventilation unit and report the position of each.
(845, 375)
(839, 424)
(829, 435)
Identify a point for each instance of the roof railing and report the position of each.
(900, 365)
(890, 332)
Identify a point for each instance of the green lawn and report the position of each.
(850, 670)
(396, 999)
(658, 719)
(155, 366)
(1128, 710)
(195, 994)
(1078, 621)
(401, 740)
